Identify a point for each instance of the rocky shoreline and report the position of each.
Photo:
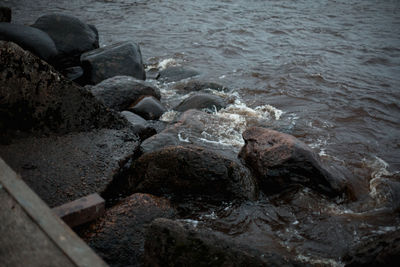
(77, 118)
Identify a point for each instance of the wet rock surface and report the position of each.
(280, 160)
(34, 97)
(148, 107)
(180, 243)
(29, 38)
(109, 61)
(118, 237)
(197, 85)
(202, 101)
(173, 74)
(120, 92)
(140, 126)
(190, 171)
(66, 167)
(71, 36)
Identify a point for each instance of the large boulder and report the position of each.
(180, 243)
(148, 107)
(187, 171)
(31, 39)
(71, 36)
(5, 14)
(113, 60)
(202, 101)
(118, 237)
(120, 92)
(176, 73)
(33, 96)
(280, 161)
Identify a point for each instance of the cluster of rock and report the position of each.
(68, 141)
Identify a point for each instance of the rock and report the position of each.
(195, 85)
(74, 74)
(153, 74)
(379, 250)
(113, 60)
(118, 237)
(62, 168)
(182, 171)
(159, 141)
(280, 161)
(202, 101)
(173, 74)
(31, 39)
(120, 92)
(5, 14)
(71, 36)
(34, 97)
(140, 126)
(148, 107)
(385, 190)
(179, 243)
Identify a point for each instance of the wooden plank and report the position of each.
(81, 211)
(63, 237)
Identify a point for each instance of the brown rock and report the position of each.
(280, 161)
(118, 237)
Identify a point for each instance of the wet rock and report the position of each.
(74, 74)
(62, 168)
(148, 107)
(280, 161)
(195, 85)
(71, 36)
(113, 60)
(31, 39)
(202, 101)
(153, 74)
(385, 190)
(159, 141)
(5, 14)
(140, 125)
(34, 97)
(120, 92)
(179, 243)
(381, 250)
(183, 171)
(118, 237)
(173, 74)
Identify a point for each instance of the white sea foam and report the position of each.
(169, 116)
(168, 62)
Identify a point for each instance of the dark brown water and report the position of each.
(331, 66)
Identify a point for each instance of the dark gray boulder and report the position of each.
(201, 101)
(71, 36)
(31, 39)
(197, 85)
(119, 236)
(113, 60)
(191, 171)
(120, 92)
(173, 74)
(33, 96)
(180, 243)
(74, 74)
(159, 141)
(5, 14)
(280, 161)
(139, 125)
(148, 107)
